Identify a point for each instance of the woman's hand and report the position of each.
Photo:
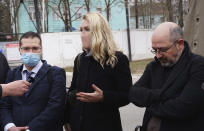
(96, 96)
(67, 127)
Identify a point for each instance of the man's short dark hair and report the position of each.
(30, 34)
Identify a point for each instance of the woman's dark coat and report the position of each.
(115, 83)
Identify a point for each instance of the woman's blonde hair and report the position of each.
(103, 46)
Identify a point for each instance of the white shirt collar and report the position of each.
(35, 69)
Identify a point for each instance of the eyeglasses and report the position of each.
(163, 50)
(34, 49)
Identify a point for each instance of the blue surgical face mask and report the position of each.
(30, 59)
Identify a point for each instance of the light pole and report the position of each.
(128, 30)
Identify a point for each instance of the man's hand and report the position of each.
(16, 88)
(67, 127)
(14, 128)
(96, 96)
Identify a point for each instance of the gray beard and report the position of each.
(167, 64)
(170, 64)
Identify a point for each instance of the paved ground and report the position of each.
(130, 114)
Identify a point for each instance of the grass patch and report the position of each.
(135, 66)
(139, 66)
(69, 69)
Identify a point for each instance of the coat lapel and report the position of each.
(18, 75)
(39, 76)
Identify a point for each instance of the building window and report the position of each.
(78, 12)
(147, 21)
(140, 21)
(152, 20)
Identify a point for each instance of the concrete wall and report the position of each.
(61, 48)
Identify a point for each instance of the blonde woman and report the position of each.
(101, 79)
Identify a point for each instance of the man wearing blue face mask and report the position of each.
(42, 107)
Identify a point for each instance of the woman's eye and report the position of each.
(87, 29)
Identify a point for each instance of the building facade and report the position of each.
(52, 22)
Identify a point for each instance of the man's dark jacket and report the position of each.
(173, 94)
(4, 67)
(42, 108)
(115, 83)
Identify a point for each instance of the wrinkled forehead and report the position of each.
(159, 41)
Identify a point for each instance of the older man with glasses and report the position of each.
(171, 86)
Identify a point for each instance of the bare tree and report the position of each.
(44, 9)
(67, 15)
(15, 5)
(28, 13)
(128, 29)
(64, 12)
(107, 9)
(143, 13)
(47, 14)
(5, 19)
(136, 14)
(163, 7)
(150, 14)
(108, 4)
(87, 3)
(169, 9)
(37, 16)
(180, 10)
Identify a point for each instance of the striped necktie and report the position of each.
(28, 75)
(29, 79)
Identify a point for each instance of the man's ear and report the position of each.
(181, 43)
(20, 50)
